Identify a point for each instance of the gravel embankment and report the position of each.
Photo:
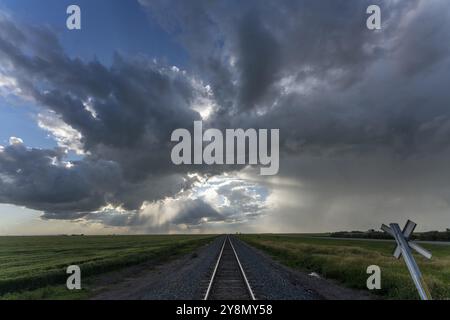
(273, 281)
(267, 279)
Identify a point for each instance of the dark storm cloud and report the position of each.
(124, 114)
(41, 180)
(341, 95)
(258, 72)
(194, 212)
(364, 116)
(136, 105)
(313, 69)
(246, 47)
(422, 46)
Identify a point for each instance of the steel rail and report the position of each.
(208, 291)
(250, 291)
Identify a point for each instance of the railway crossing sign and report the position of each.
(404, 248)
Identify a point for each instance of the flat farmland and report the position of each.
(346, 261)
(37, 265)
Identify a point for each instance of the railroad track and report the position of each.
(228, 281)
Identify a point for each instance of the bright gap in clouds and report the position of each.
(215, 204)
(236, 199)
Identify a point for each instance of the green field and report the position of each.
(347, 260)
(35, 267)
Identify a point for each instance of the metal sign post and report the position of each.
(403, 248)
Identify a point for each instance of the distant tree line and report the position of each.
(373, 234)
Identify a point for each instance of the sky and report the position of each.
(86, 115)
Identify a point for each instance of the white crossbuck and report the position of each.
(407, 232)
(404, 246)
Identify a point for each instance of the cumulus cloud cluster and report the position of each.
(119, 118)
(364, 116)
